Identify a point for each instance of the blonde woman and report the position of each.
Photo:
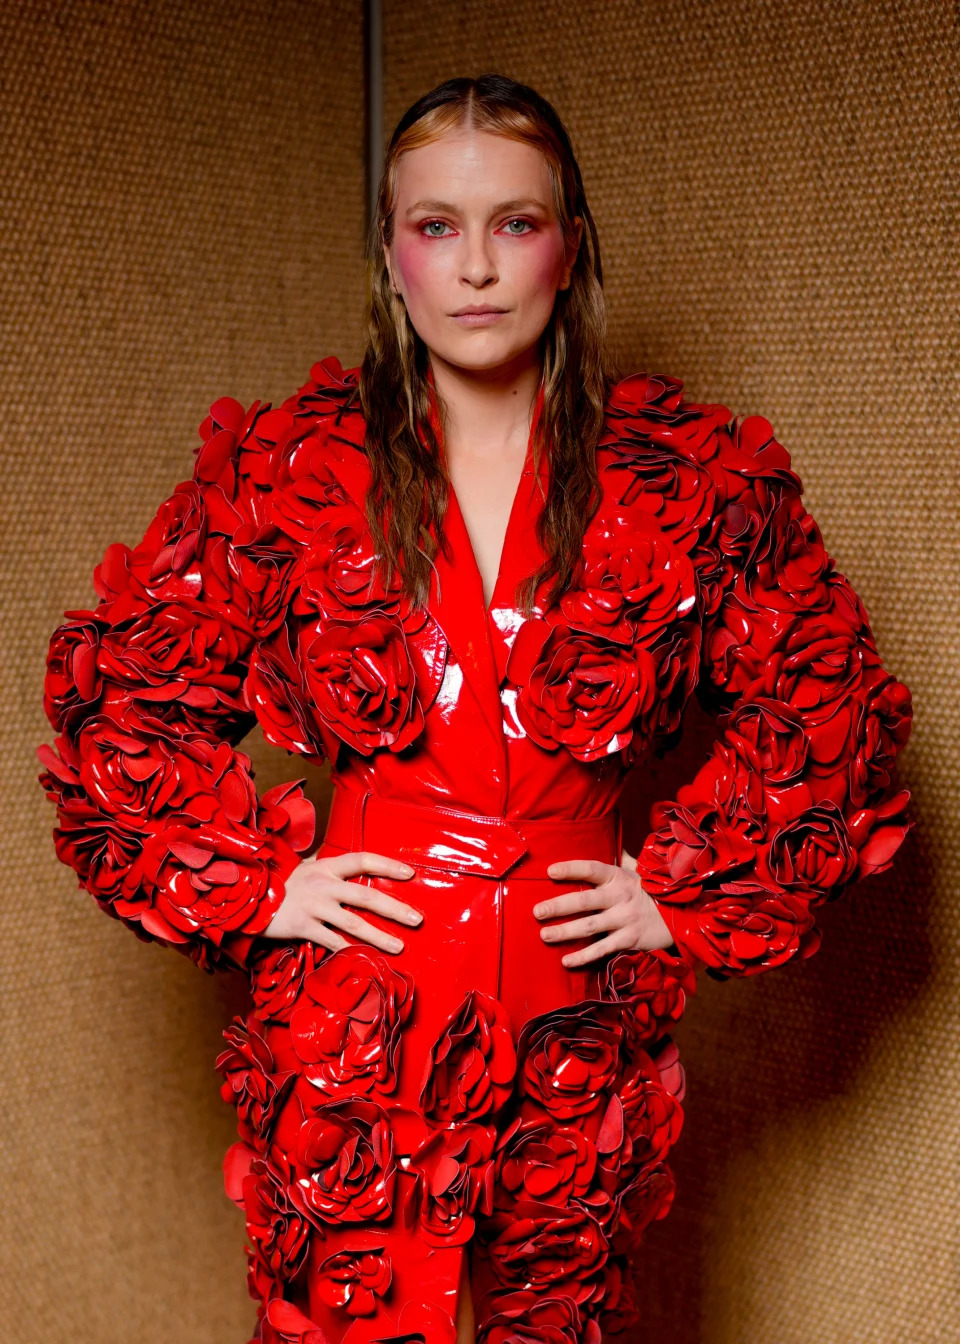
(480, 576)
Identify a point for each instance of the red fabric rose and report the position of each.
(275, 692)
(690, 846)
(812, 851)
(790, 569)
(883, 724)
(538, 1159)
(652, 984)
(339, 577)
(578, 691)
(250, 1081)
(164, 563)
(106, 852)
(279, 1235)
(642, 1120)
(457, 1179)
(179, 656)
(277, 972)
(525, 1317)
(648, 1198)
(546, 1249)
(266, 571)
(344, 1157)
(217, 866)
(568, 1058)
(125, 771)
(745, 929)
(73, 684)
(470, 1070)
(362, 684)
(667, 483)
(354, 1280)
(633, 583)
(770, 738)
(677, 662)
(346, 1028)
(306, 485)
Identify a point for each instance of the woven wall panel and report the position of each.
(776, 192)
(183, 214)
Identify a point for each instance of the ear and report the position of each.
(389, 263)
(572, 251)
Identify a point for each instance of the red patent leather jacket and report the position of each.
(249, 599)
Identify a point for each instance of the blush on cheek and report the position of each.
(541, 264)
(415, 265)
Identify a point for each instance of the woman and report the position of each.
(481, 578)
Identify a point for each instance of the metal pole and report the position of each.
(373, 53)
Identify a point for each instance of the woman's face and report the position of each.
(475, 225)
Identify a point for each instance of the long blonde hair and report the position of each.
(409, 487)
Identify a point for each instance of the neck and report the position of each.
(486, 410)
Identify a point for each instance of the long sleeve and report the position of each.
(157, 809)
(795, 800)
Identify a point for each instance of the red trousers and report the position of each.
(476, 971)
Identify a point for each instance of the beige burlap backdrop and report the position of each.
(776, 191)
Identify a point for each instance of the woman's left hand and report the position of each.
(624, 911)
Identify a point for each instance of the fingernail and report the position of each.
(396, 945)
(406, 868)
(413, 917)
(538, 909)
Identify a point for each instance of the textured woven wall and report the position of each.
(183, 212)
(775, 187)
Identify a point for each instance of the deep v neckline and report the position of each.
(477, 635)
(454, 509)
(458, 523)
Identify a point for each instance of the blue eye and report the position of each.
(426, 224)
(520, 221)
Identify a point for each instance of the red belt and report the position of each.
(467, 842)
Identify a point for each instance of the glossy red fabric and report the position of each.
(471, 1094)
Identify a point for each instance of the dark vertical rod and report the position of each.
(373, 58)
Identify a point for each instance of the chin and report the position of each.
(483, 355)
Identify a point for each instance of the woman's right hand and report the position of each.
(316, 893)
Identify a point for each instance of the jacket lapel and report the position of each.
(456, 603)
(456, 592)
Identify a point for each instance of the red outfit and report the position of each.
(472, 1089)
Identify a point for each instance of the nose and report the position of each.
(478, 267)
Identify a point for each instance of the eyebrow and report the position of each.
(520, 203)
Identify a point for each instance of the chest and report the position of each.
(605, 669)
(484, 490)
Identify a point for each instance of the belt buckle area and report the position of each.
(491, 855)
(445, 838)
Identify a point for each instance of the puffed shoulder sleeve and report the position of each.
(150, 694)
(795, 800)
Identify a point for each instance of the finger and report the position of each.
(581, 928)
(574, 902)
(590, 870)
(363, 861)
(351, 923)
(372, 898)
(614, 942)
(327, 937)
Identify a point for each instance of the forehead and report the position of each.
(471, 169)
